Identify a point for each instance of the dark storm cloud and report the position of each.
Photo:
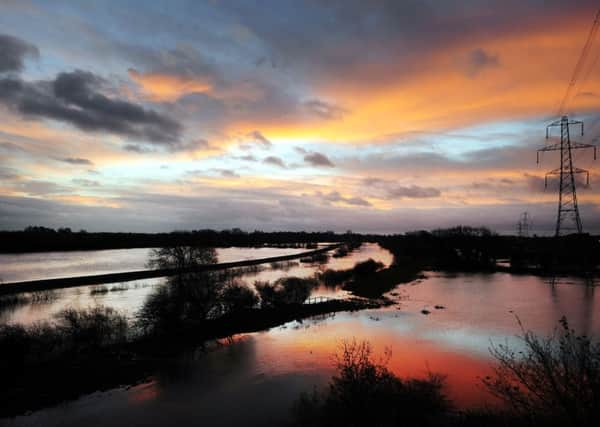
(76, 161)
(75, 98)
(381, 39)
(390, 190)
(13, 52)
(274, 160)
(318, 159)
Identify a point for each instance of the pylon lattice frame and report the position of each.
(568, 219)
(523, 225)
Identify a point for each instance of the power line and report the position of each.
(580, 64)
(568, 218)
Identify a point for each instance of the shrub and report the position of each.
(332, 277)
(73, 331)
(93, 328)
(237, 297)
(285, 291)
(554, 381)
(367, 267)
(365, 392)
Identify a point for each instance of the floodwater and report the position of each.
(128, 297)
(50, 265)
(255, 379)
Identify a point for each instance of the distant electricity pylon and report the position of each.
(568, 219)
(523, 225)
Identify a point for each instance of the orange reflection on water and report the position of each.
(312, 348)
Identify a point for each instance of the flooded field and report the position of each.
(442, 323)
(49, 265)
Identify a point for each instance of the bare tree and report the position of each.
(181, 257)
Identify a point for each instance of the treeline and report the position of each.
(479, 249)
(460, 248)
(43, 239)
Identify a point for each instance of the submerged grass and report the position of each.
(8, 302)
(369, 279)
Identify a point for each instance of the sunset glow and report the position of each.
(408, 115)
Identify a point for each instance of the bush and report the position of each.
(332, 277)
(364, 392)
(93, 328)
(285, 291)
(553, 381)
(360, 271)
(237, 297)
(367, 267)
(73, 331)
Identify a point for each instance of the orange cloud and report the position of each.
(166, 87)
(527, 76)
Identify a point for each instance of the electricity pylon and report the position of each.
(568, 219)
(523, 225)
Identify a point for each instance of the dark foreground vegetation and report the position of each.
(553, 381)
(82, 351)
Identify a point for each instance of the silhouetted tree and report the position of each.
(181, 257)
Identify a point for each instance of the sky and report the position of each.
(378, 116)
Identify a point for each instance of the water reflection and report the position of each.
(48, 265)
(254, 378)
(128, 297)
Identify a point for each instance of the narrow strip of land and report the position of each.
(98, 279)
